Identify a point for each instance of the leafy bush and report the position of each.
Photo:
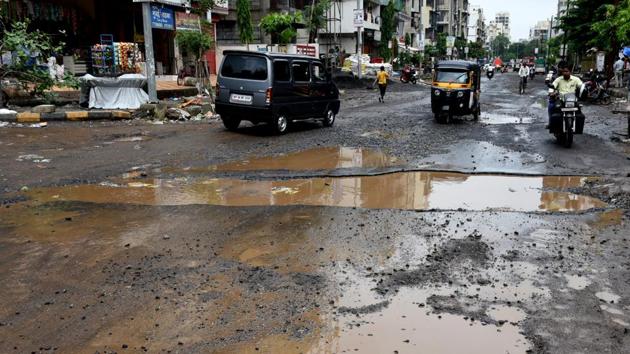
(280, 26)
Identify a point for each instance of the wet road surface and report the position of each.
(388, 233)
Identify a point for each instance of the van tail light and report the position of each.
(269, 95)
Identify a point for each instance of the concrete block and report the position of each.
(50, 117)
(28, 117)
(77, 115)
(93, 115)
(44, 108)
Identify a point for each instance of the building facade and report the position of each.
(541, 31)
(476, 25)
(452, 17)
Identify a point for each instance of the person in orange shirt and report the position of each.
(381, 79)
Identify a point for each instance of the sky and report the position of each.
(524, 14)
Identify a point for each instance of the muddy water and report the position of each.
(327, 158)
(403, 326)
(411, 191)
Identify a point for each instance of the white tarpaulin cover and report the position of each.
(123, 92)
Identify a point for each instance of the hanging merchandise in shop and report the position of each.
(43, 11)
(111, 58)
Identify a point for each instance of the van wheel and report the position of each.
(280, 124)
(230, 123)
(329, 119)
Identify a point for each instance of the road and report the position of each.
(388, 233)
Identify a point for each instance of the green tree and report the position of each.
(500, 45)
(23, 42)
(315, 17)
(388, 26)
(244, 21)
(407, 40)
(440, 45)
(476, 50)
(281, 27)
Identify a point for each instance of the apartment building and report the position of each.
(540, 31)
(502, 20)
(476, 25)
(341, 32)
(452, 17)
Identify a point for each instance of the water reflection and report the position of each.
(412, 190)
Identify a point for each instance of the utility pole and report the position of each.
(148, 47)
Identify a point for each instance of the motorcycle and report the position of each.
(596, 89)
(567, 118)
(551, 77)
(409, 74)
(490, 74)
(532, 73)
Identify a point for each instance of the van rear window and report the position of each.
(245, 67)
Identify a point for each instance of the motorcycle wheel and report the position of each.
(568, 139)
(414, 81)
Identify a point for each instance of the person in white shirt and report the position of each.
(618, 69)
(523, 73)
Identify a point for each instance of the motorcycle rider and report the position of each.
(523, 73)
(490, 72)
(564, 84)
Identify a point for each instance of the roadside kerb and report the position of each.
(30, 117)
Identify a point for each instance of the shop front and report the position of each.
(101, 37)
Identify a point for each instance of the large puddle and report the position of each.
(406, 190)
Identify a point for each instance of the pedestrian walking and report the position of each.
(381, 80)
(618, 69)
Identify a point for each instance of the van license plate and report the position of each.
(446, 108)
(241, 99)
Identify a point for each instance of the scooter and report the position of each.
(490, 74)
(567, 118)
(409, 74)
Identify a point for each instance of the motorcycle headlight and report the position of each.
(460, 94)
(437, 92)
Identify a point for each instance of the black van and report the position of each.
(274, 88)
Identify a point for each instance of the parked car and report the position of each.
(274, 88)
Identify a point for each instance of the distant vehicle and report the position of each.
(274, 88)
(456, 90)
(540, 66)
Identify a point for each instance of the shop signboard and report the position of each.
(180, 3)
(162, 17)
(450, 41)
(187, 22)
(221, 7)
(601, 61)
(358, 18)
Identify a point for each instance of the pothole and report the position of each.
(404, 190)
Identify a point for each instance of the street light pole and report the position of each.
(148, 48)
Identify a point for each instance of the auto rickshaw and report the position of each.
(456, 90)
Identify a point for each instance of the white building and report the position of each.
(540, 31)
(476, 25)
(502, 20)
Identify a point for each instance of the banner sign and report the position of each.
(358, 18)
(162, 17)
(221, 7)
(187, 22)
